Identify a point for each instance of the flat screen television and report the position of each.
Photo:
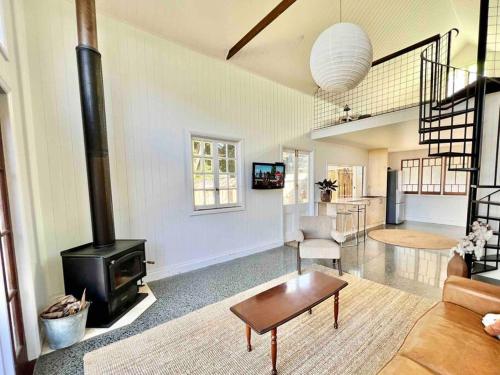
(268, 176)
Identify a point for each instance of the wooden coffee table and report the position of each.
(268, 310)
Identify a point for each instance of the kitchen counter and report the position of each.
(350, 201)
(375, 210)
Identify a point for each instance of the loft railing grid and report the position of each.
(492, 61)
(391, 85)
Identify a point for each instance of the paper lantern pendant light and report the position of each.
(341, 57)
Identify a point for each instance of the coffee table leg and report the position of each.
(336, 310)
(274, 349)
(249, 338)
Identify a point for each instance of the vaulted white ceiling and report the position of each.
(281, 51)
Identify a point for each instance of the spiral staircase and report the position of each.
(451, 124)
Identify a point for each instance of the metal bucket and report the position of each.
(64, 332)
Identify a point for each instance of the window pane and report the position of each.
(197, 166)
(223, 183)
(414, 174)
(289, 190)
(221, 147)
(16, 330)
(456, 181)
(461, 178)
(233, 196)
(231, 166)
(436, 175)
(406, 176)
(3, 210)
(207, 150)
(214, 165)
(198, 181)
(199, 198)
(209, 197)
(223, 196)
(209, 181)
(410, 173)
(426, 175)
(196, 147)
(303, 191)
(7, 251)
(222, 166)
(208, 166)
(303, 178)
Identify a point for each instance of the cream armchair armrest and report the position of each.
(337, 236)
(298, 236)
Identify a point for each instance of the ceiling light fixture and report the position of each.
(341, 57)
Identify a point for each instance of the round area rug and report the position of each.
(413, 238)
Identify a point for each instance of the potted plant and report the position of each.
(468, 246)
(64, 321)
(326, 187)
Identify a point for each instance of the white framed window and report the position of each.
(410, 169)
(216, 174)
(432, 176)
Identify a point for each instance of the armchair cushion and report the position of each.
(337, 236)
(316, 227)
(319, 249)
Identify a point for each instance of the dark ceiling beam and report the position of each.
(271, 16)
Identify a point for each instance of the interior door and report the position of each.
(297, 193)
(9, 274)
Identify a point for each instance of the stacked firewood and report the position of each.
(64, 306)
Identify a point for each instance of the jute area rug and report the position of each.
(413, 239)
(373, 321)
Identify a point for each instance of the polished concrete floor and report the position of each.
(420, 272)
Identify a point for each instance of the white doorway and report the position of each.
(298, 194)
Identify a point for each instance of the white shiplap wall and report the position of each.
(156, 92)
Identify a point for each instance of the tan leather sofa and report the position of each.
(449, 338)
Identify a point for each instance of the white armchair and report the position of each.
(318, 239)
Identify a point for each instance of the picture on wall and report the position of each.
(268, 176)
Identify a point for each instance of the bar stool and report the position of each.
(358, 211)
(345, 216)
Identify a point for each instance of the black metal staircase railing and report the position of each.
(490, 260)
(451, 108)
(447, 112)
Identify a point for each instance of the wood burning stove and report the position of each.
(107, 268)
(109, 274)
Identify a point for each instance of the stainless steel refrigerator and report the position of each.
(396, 205)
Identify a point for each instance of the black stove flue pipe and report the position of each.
(94, 125)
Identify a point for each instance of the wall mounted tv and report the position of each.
(268, 176)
